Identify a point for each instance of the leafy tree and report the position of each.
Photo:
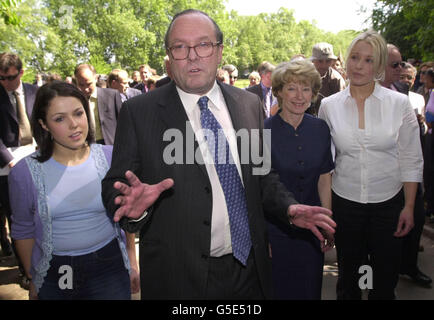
(407, 24)
(57, 35)
(7, 12)
(33, 40)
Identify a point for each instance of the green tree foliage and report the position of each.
(407, 24)
(33, 40)
(57, 35)
(277, 37)
(7, 12)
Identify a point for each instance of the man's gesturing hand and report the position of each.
(138, 196)
(309, 217)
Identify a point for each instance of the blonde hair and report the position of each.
(379, 49)
(299, 71)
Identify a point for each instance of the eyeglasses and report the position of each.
(9, 78)
(397, 64)
(202, 50)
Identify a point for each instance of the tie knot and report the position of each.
(16, 94)
(203, 103)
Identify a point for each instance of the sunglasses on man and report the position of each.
(9, 78)
(397, 64)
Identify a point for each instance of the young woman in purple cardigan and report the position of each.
(69, 247)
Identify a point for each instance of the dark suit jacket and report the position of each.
(258, 91)
(141, 87)
(9, 130)
(162, 82)
(401, 87)
(175, 236)
(109, 105)
(129, 93)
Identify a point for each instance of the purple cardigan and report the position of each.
(29, 212)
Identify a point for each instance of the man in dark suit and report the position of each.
(105, 103)
(263, 90)
(16, 105)
(118, 80)
(145, 74)
(410, 245)
(189, 248)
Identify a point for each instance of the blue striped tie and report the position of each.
(231, 184)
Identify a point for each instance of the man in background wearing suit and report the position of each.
(104, 103)
(145, 74)
(118, 80)
(188, 212)
(410, 244)
(263, 89)
(16, 140)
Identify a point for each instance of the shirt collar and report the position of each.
(94, 94)
(378, 91)
(189, 100)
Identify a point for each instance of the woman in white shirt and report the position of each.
(378, 165)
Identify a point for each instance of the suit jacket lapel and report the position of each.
(26, 100)
(173, 114)
(102, 103)
(7, 104)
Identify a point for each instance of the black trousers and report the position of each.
(428, 173)
(228, 279)
(410, 245)
(364, 236)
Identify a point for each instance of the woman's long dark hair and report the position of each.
(44, 96)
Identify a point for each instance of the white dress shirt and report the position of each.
(372, 163)
(417, 101)
(220, 228)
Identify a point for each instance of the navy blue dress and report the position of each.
(300, 157)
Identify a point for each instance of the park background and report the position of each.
(54, 36)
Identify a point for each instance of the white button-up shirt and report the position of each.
(220, 228)
(372, 163)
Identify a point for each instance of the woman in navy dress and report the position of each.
(301, 154)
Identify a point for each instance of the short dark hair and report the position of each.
(45, 94)
(218, 32)
(8, 60)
